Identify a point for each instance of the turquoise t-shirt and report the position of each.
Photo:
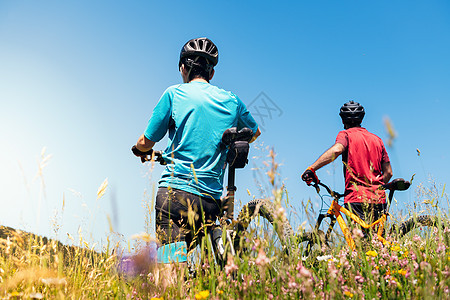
(196, 114)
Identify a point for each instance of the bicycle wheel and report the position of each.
(423, 225)
(259, 219)
(312, 243)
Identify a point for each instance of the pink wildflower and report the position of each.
(357, 233)
(262, 259)
(304, 272)
(416, 238)
(440, 248)
(394, 258)
(230, 266)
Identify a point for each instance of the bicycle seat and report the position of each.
(232, 135)
(398, 184)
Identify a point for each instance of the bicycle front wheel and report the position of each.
(261, 219)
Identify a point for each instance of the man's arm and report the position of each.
(144, 144)
(387, 171)
(258, 133)
(329, 156)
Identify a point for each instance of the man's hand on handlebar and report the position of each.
(141, 154)
(309, 176)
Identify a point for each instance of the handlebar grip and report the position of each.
(157, 155)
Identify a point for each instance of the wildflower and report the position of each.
(348, 294)
(157, 298)
(230, 266)
(402, 272)
(332, 270)
(292, 284)
(324, 257)
(202, 295)
(394, 258)
(440, 248)
(262, 259)
(357, 233)
(416, 238)
(36, 296)
(359, 278)
(371, 253)
(304, 272)
(219, 292)
(396, 248)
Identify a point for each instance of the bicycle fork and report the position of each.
(330, 227)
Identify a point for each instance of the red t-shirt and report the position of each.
(363, 156)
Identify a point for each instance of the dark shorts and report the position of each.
(179, 216)
(369, 212)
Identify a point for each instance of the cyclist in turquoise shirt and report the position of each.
(195, 114)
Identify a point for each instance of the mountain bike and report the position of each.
(226, 236)
(317, 239)
(335, 211)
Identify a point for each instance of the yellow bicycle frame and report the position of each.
(335, 209)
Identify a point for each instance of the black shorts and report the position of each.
(368, 212)
(179, 216)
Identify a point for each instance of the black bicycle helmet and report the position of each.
(203, 47)
(352, 113)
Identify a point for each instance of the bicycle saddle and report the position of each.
(398, 184)
(232, 135)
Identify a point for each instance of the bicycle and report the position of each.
(335, 210)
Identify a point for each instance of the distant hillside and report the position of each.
(26, 240)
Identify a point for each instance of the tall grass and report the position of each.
(417, 266)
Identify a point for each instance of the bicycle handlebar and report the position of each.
(398, 184)
(330, 191)
(154, 156)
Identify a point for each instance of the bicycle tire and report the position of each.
(267, 210)
(312, 238)
(416, 222)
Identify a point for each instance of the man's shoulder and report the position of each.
(223, 91)
(364, 132)
(173, 88)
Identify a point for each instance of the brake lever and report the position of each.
(317, 187)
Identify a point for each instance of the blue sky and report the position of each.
(81, 80)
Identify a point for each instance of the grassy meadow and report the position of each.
(414, 267)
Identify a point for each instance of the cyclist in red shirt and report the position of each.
(366, 164)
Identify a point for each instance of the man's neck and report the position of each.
(198, 79)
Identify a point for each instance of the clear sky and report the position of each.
(81, 79)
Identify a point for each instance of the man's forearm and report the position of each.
(258, 133)
(144, 144)
(387, 172)
(329, 156)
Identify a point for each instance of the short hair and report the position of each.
(198, 67)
